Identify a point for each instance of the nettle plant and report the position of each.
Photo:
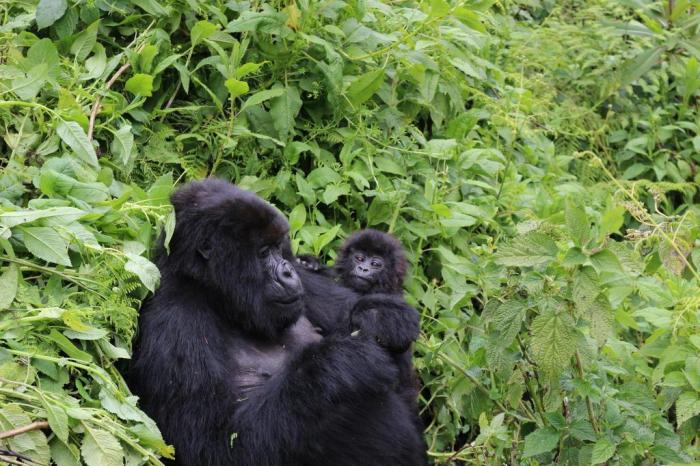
(586, 348)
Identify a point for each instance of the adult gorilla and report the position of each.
(231, 370)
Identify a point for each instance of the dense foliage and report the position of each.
(538, 159)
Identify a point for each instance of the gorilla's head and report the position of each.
(371, 261)
(231, 242)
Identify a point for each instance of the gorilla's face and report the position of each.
(365, 269)
(232, 242)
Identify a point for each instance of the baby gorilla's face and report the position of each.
(366, 269)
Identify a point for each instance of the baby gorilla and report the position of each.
(373, 264)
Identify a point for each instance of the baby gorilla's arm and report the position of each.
(388, 319)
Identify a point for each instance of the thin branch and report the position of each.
(36, 425)
(96, 105)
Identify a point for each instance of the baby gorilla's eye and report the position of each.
(359, 257)
(377, 263)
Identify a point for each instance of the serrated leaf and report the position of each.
(602, 451)
(49, 11)
(507, 318)
(601, 317)
(33, 443)
(140, 84)
(143, 268)
(540, 441)
(364, 87)
(586, 286)
(58, 420)
(262, 96)
(45, 243)
(8, 286)
(576, 222)
(582, 430)
(531, 249)
(201, 30)
(123, 144)
(553, 339)
(100, 448)
(72, 134)
(284, 110)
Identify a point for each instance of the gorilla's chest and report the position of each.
(257, 361)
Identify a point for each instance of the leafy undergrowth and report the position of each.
(538, 160)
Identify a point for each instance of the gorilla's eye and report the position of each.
(359, 258)
(377, 263)
(264, 251)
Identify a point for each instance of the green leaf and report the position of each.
(101, 448)
(72, 134)
(123, 144)
(533, 248)
(143, 268)
(612, 220)
(364, 87)
(638, 66)
(140, 84)
(540, 441)
(49, 11)
(576, 222)
(262, 96)
(58, 420)
(84, 43)
(602, 451)
(27, 87)
(284, 110)
(8, 286)
(507, 318)
(297, 218)
(67, 346)
(553, 339)
(45, 243)
(586, 286)
(201, 30)
(236, 87)
(687, 406)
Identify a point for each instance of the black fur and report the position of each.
(231, 370)
(376, 305)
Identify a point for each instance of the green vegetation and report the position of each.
(538, 159)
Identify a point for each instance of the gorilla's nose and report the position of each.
(361, 270)
(286, 275)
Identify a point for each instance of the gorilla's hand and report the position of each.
(309, 262)
(388, 319)
(345, 368)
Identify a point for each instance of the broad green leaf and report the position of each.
(64, 455)
(140, 84)
(364, 87)
(123, 144)
(46, 244)
(540, 441)
(612, 220)
(84, 43)
(101, 448)
(531, 249)
(602, 451)
(507, 318)
(687, 406)
(297, 218)
(19, 217)
(284, 110)
(8, 286)
(32, 444)
(236, 87)
(640, 65)
(72, 134)
(553, 339)
(49, 11)
(58, 420)
(586, 286)
(601, 317)
(576, 222)
(67, 346)
(28, 86)
(143, 268)
(262, 96)
(201, 30)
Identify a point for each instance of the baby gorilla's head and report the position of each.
(372, 262)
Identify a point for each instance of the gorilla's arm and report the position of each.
(329, 374)
(328, 304)
(388, 319)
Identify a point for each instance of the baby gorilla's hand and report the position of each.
(309, 262)
(388, 319)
